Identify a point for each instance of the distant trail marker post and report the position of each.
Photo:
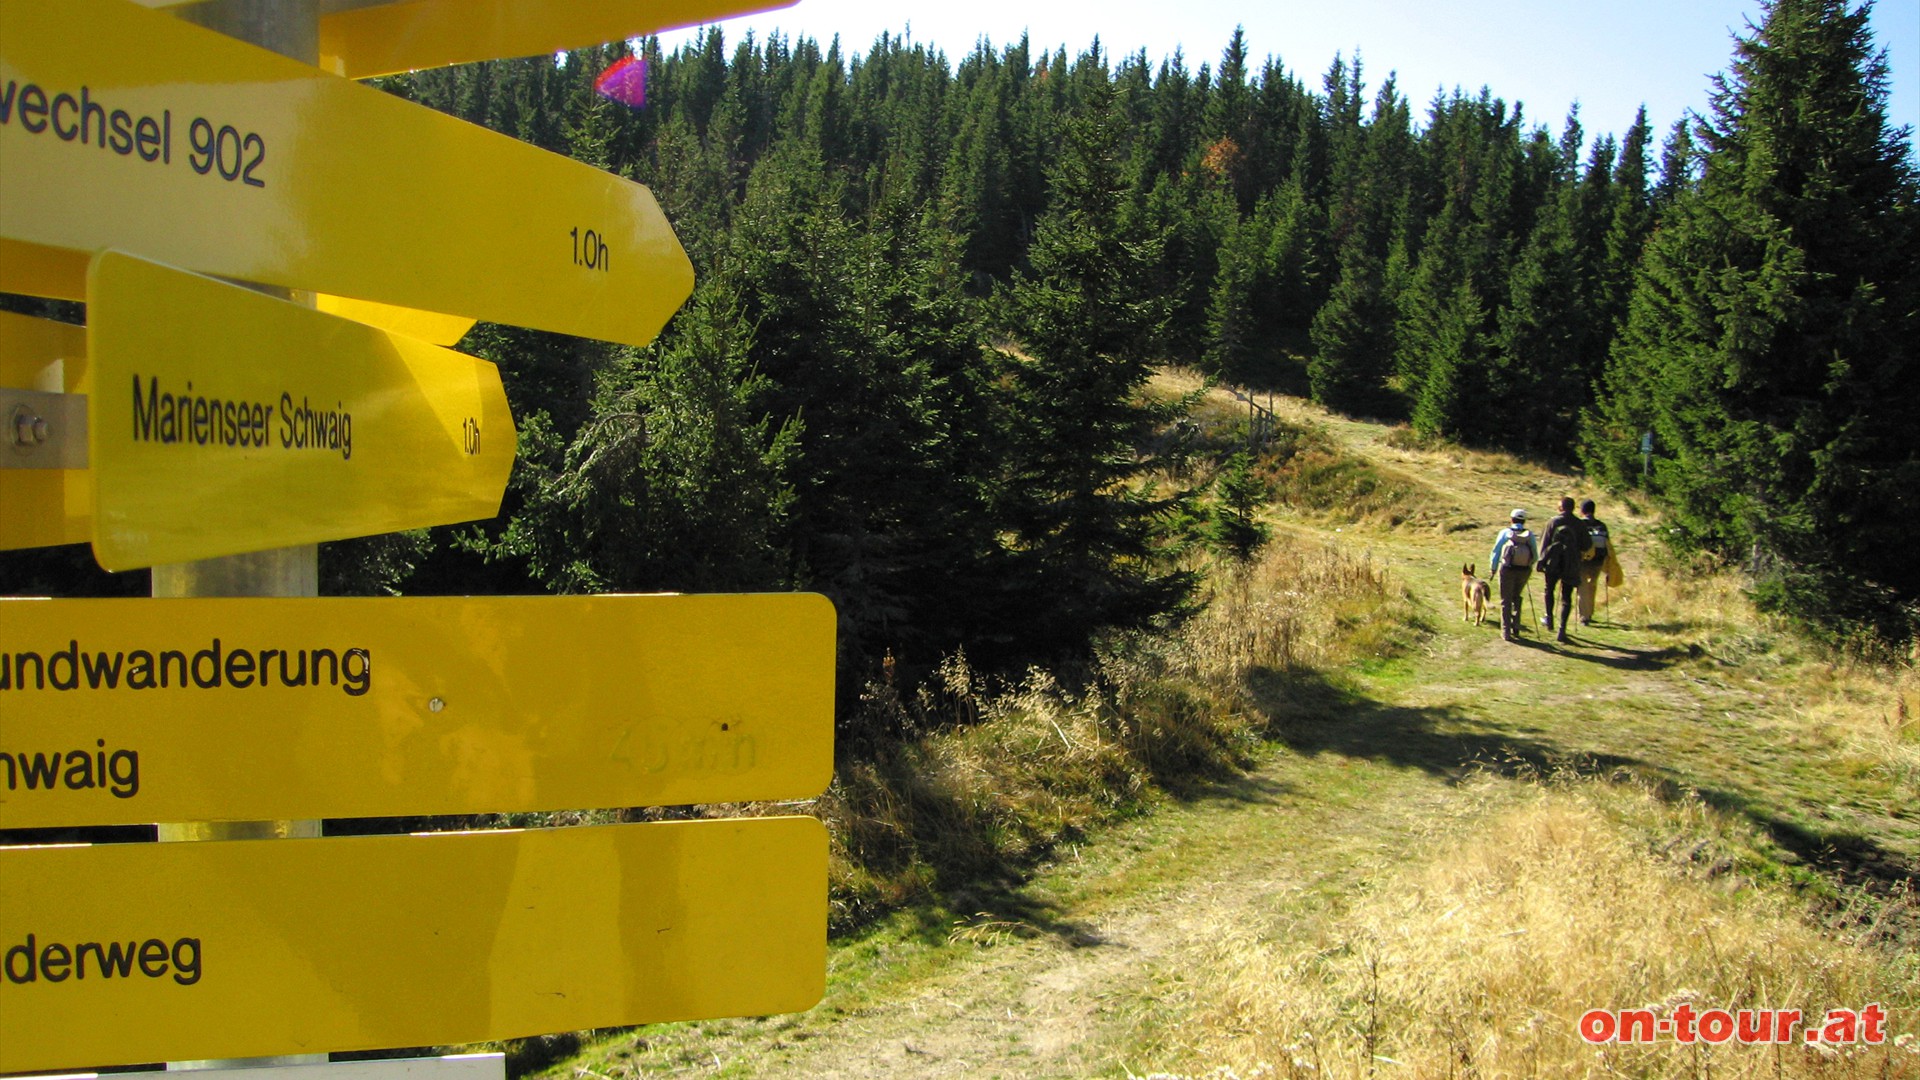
(139, 152)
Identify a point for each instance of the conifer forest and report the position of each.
(932, 287)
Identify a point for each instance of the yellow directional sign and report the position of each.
(122, 953)
(429, 326)
(36, 270)
(127, 128)
(119, 711)
(382, 39)
(43, 506)
(41, 354)
(223, 420)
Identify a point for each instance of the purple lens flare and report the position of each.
(625, 82)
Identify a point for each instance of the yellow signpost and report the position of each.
(124, 953)
(428, 326)
(129, 129)
(37, 270)
(115, 711)
(222, 420)
(382, 39)
(225, 421)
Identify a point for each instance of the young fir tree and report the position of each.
(1353, 332)
(1232, 309)
(1083, 550)
(677, 481)
(1451, 340)
(1550, 334)
(1770, 346)
(1629, 220)
(864, 340)
(1236, 527)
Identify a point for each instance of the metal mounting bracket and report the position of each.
(40, 430)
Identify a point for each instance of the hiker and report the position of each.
(1515, 552)
(1560, 556)
(1594, 563)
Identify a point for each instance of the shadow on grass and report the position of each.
(1854, 860)
(1625, 659)
(961, 861)
(989, 908)
(993, 911)
(1312, 715)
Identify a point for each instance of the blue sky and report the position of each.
(1609, 55)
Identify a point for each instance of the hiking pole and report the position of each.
(1529, 596)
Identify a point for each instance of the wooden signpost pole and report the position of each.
(290, 28)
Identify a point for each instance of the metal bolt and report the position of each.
(28, 429)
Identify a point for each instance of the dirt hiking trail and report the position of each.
(1073, 972)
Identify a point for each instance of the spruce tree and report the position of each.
(1353, 333)
(1770, 346)
(1232, 330)
(677, 483)
(1236, 528)
(1083, 548)
(1552, 335)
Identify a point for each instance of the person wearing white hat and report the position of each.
(1515, 553)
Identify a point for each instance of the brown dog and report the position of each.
(1473, 596)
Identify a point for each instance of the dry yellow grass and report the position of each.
(1001, 772)
(1864, 712)
(1299, 605)
(1480, 960)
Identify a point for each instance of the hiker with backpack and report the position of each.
(1515, 553)
(1560, 557)
(1594, 563)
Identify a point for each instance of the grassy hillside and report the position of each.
(1330, 829)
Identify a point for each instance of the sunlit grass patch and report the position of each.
(1863, 714)
(1533, 909)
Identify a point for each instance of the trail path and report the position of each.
(1070, 973)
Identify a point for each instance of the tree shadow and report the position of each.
(1005, 906)
(1621, 658)
(1311, 715)
(975, 863)
(988, 912)
(1853, 859)
(1246, 788)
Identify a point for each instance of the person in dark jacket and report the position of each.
(1594, 564)
(1561, 550)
